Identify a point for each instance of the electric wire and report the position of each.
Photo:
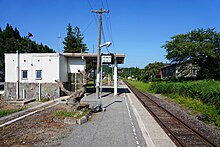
(104, 40)
(87, 26)
(90, 5)
(107, 23)
(94, 15)
(102, 4)
(108, 26)
(107, 4)
(110, 31)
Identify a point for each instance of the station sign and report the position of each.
(107, 58)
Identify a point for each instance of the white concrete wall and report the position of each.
(75, 64)
(47, 62)
(10, 67)
(53, 66)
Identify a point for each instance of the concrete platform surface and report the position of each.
(154, 135)
(125, 123)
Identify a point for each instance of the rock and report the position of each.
(82, 120)
(70, 121)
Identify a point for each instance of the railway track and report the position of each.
(181, 133)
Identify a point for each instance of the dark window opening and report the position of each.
(38, 74)
(24, 74)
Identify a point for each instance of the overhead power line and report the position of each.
(94, 15)
(107, 22)
(107, 4)
(87, 26)
(103, 4)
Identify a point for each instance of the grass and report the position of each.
(8, 112)
(207, 91)
(90, 84)
(44, 99)
(77, 114)
(207, 112)
(201, 97)
(141, 85)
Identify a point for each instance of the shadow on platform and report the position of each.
(112, 103)
(109, 90)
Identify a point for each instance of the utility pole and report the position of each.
(59, 37)
(18, 75)
(29, 46)
(98, 78)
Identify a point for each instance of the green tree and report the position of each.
(133, 72)
(200, 47)
(11, 41)
(2, 44)
(73, 42)
(152, 71)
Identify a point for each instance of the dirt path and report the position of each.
(36, 130)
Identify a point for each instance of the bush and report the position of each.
(77, 114)
(202, 97)
(206, 90)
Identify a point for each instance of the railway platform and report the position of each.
(152, 132)
(124, 123)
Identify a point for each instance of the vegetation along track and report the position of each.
(181, 133)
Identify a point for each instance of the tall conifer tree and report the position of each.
(73, 42)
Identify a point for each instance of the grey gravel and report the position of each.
(212, 133)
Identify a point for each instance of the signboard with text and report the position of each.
(107, 58)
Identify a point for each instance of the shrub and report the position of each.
(206, 90)
(77, 114)
(202, 97)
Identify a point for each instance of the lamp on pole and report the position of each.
(99, 76)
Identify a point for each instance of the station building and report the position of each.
(33, 75)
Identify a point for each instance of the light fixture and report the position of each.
(106, 44)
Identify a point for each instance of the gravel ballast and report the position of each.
(211, 132)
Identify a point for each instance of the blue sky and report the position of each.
(138, 28)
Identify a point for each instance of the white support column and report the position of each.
(115, 78)
(18, 76)
(39, 91)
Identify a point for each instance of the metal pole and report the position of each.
(18, 76)
(98, 55)
(98, 76)
(29, 43)
(115, 78)
(59, 37)
(39, 91)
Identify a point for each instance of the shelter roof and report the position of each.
(92, 57)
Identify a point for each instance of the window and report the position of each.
(38, 74)
(24, 74)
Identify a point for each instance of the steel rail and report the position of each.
(176, 138)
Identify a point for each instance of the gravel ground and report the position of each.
(211, 132)
(38, 129)
(41, 130)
